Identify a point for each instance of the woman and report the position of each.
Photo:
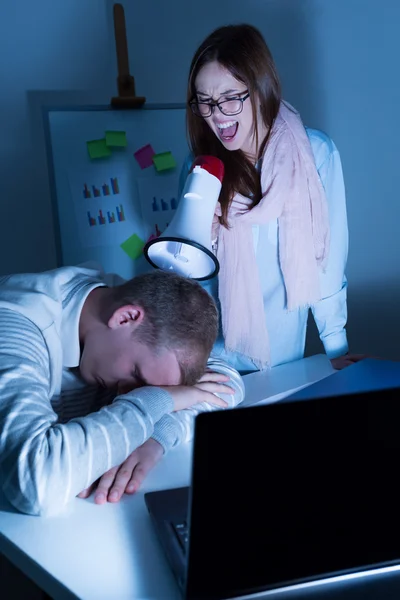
(280, 229)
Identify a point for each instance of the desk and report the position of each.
(110, 552)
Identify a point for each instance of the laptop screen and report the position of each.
(292, 492)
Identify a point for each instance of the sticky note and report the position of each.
(144, 156)
(116, 139)
(164, 161)
(98, 148)
(133, 246)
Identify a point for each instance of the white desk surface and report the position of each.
(111, 552)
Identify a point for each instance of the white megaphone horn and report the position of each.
(185, 246)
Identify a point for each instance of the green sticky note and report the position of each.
(164, 161)
(133, 246)
(116, 138)
(98, 149)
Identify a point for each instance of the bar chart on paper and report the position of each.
(158, 202)
(103, 206)
(106, 189)
(100, 218)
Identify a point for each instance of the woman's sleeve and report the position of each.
(330, 313)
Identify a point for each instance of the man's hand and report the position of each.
(128, 477)
(203, 391)
(348, 359)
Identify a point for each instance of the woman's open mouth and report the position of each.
(227, 131)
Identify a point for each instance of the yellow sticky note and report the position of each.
(98, 148)
(116, 138)
(133, 246)
(164, 161)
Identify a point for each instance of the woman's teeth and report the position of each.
(227, 131)
(225, 125)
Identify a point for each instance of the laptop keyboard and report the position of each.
(181, 531)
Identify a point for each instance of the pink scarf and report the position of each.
(293, 194)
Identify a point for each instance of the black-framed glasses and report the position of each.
(228, 107)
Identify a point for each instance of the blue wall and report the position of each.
(49, 48)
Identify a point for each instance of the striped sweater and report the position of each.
(57, 434)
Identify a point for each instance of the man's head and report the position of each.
(156, 329)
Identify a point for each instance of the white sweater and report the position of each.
(57, 434)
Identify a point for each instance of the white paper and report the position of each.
(104, 205)
(158, 200)
(265, 387)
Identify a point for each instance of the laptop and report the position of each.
(289, 500)
(366, 375)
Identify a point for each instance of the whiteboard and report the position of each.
(106, 208)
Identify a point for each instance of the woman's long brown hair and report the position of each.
(241, 49)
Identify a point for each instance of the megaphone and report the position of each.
(185, 246)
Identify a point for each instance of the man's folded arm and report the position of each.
(45, 463)
(174, 428)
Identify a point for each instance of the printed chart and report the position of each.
(104, 206)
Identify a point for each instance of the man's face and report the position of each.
(112, 358)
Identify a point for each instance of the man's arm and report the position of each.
(330, 313)
(44, 463)
(175, 428)
(127, 477)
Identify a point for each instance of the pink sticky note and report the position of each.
(144, 156)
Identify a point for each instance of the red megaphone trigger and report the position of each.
(212, 164)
